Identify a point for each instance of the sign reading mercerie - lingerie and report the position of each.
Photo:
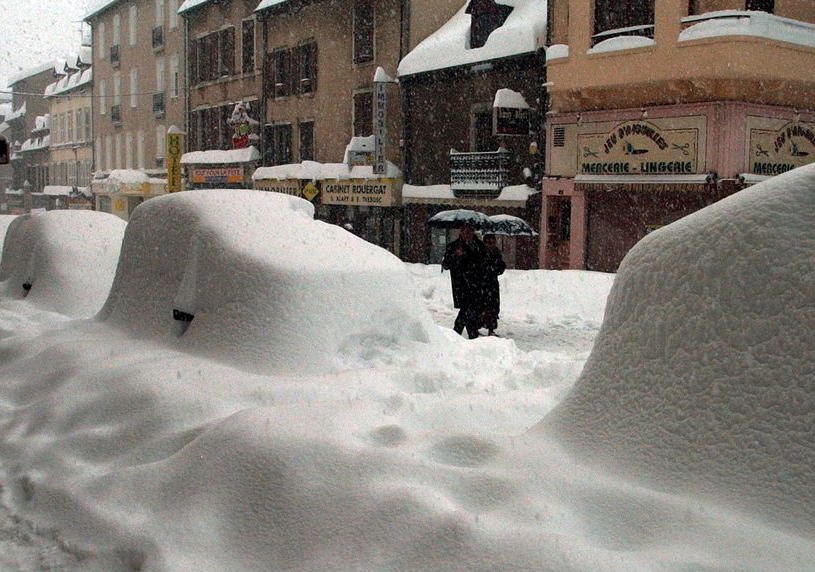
(777, 146)
(639, 148)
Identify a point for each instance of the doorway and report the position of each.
(558, 232)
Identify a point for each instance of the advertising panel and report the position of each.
(776, 146)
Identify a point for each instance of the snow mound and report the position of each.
(270, 288)
(66, 260)
(702, 379)
(5, 221)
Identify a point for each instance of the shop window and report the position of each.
(306, 141)
(487, 16)
(278, 144)
(761, 5)
(363, 31)
(363, 114)
(307, 53)
(248, 46)
(617, 14)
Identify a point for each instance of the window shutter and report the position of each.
(193, 63)
(313, 54)
(294, 70)
(268, 74)
(227, 50)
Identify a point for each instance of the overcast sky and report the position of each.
(33, 32)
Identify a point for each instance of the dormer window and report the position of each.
(486, 17)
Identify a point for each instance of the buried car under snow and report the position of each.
(251, 279)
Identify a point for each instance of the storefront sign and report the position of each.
(639, 148)
(287, 187)
(380, 127)
(218, 176)
(510, 121)
(776, 151)
(361, 192)
(174, 151)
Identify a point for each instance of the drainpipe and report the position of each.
(264, 36)
(186, 126)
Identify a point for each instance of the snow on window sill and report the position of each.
(748, 23)
(557, 52)
(622, 43)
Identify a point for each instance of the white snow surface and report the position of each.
(122, 450)
(508, 98)
(523, 32)
(702, 380)
(268, 285)
(556, 52)
(68, 257)
(219, 157)
(5, 221)
(725, 23)
(311, 170)
(622, 43)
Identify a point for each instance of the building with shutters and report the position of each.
(660, 108)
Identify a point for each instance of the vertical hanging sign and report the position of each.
(380, 110)
(174, 150)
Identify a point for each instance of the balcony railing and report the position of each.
(481, 174)
(158, 103)
(158, 37)
(116, 113)
(114, 55)
(643, 31)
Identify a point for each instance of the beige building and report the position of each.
(71, 101)
(138, 88)
(659, 108)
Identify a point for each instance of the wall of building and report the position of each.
(27, 91)
(139, 124)
(71, 157)
(427, 16)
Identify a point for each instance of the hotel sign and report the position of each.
(775, 151)
(639, 148)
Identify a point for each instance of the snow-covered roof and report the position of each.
(217, 157)
(36, 144)
(127, 177)
(17, 113)
(515, 193)
(85, 56)
(29, 72)
(69, 82)
(190, 4)
(523, 32)
(311, 170)
(507, 98)
(265, 4)
(99, 6)
(57, 190)
(5, 109)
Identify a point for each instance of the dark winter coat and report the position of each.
(466, 272)
(493, 266)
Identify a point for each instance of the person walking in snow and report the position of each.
(464, 259)
(493, 266)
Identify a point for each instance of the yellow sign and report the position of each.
(639, 148)
(776, 151)
(310, 191)
(174, 151)
(363, 192)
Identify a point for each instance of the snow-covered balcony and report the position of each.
(728, 23)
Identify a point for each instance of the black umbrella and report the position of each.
(458, 218)
(509, 225)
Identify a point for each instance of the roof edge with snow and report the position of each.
(25, 74)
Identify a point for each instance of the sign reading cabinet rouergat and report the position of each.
(640, 148)
(776, 146)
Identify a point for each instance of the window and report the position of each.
(103, 101)
(173, 14)
(363, 114)
(108, 153)
(278, 144)
(161, 133)
(159, 12)
(132, 24)
(117, 29)
(306, 141)
(129, 150)
(160, 74)
(175, 75)
(80, 125)
(134, 87)
(226, 51)
(140, 150)
(69, 118)
(363, 31)
(248, 46)
(103, 48)
(117, 88)
(88, 125)
(761, 5)
(487, 16)
(118, 150)
(213, 56)
(308, 67)
(616, 14)
(97, 152)
(282, 61)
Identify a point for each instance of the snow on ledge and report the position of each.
(313, 171)
(621, 43)
(515, 193)
(748, 23)
(509, 99)
(523, 32)
(217, 157)
(557, 52)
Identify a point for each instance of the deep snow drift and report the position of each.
(124, 447)
(702, 379)
(66, 259)
(268, 286)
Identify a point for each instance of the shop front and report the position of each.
(616, 176)
(352, 197)
(121, 191)
(220, 169)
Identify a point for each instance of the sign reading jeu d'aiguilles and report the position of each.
(639, 148)
(776, 151)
